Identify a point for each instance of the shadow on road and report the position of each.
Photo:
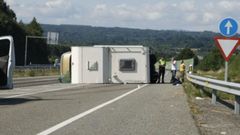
(16, 101)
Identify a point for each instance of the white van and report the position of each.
(7, 62)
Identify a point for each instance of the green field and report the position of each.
(35, 72)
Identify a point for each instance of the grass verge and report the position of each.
(192, 92)
(35, 72)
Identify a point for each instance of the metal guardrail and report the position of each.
(218, 85)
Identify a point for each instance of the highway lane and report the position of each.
(152, 110)
(34, 81)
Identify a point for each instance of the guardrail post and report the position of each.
(201, 91)
(237, 105)
(214, 96)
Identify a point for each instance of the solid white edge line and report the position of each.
(33, 93)
(81, 115)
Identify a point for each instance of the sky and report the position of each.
(190, 15)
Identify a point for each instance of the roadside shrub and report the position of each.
(65, 78)
(30, 73)
(213, 61)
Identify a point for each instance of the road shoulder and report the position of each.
(215, 119)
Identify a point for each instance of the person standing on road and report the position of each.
(161, 71)
(173, 70)
(182, 71)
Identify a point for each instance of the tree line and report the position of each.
(162, 41)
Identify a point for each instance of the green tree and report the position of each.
(187, 53)
(9, 26)
(6, 11)
(213, 61)
(37, 48)
(55, 52)
(34, 28)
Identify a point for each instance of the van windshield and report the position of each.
(4, 48)
(4, 55)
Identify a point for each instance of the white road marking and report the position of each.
(33, 93)
(81, 115)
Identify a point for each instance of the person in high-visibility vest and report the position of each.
(161, 71)
(182, 71)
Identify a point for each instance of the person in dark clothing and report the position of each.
(176, 80)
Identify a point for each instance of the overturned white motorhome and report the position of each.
(110, 64)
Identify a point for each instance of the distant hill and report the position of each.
(158, 39)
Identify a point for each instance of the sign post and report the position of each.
(226, 72)
(228, 27)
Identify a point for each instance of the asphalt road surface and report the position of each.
(34, 81)
(97, 109)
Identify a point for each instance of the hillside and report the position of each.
(88, 35)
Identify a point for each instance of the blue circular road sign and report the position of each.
(228, 27)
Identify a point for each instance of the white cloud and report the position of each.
(187, 6)
(10, 2)
(174, 5)
(229, 7)
(154, 12)
(207, 17)
(55, 7)
(226, 4)
(153, 15)
(14, 4)
(57, 3)
(100, 7)
(192, 17)
(129, 13)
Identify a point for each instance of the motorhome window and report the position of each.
(92, 66)
(127, 65)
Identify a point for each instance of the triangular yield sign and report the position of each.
(227, 46)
